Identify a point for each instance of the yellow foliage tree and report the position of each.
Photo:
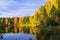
(15, 29)
(20, 20)
(30, 31)
(1, 20)
(30, 19)
(20, 29)
(15, 20)
(48, 7)
(6, 21)
(26, 25)
(6, 29)
(20, 24)
(54, 2)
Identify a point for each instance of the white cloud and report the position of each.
(11, 8)
(9, 12)
(18, 13)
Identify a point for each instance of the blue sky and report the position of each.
(19, 8)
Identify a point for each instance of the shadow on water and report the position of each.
(1, 37)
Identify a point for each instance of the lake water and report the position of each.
(17, 36)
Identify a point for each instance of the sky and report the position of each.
(19, 8)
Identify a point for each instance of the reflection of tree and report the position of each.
(26, 29)
(1, 36)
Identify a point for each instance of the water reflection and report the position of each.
(17, 36)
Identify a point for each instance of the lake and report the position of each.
(17, 36)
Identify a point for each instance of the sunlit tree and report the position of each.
(30, 19)
(55, 3)
(15, 20)
(6, 20)
(48, 7)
